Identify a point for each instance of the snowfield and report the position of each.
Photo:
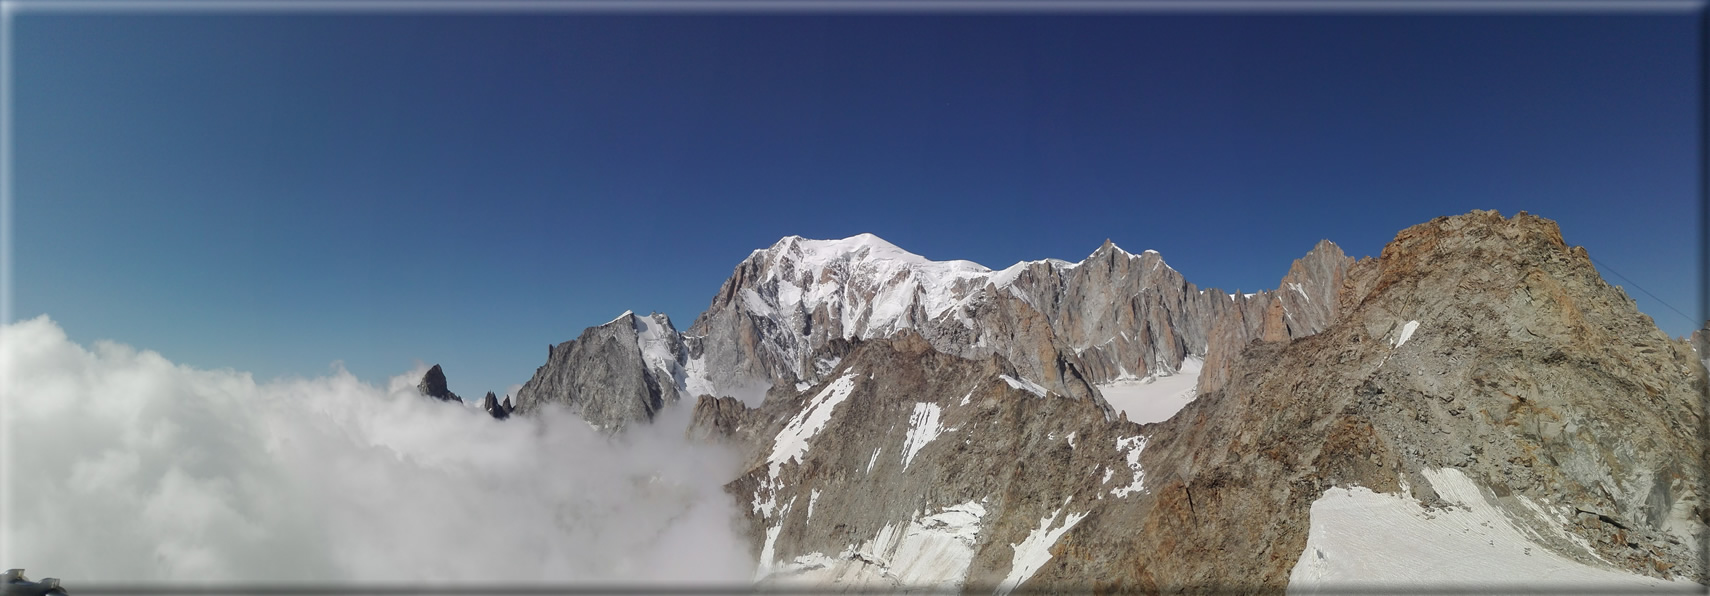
(1157, 398)
(1359, 537)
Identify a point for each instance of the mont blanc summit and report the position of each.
(1108, 425)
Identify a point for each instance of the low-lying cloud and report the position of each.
(121, 466)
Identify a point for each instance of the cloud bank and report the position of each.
(121, 466)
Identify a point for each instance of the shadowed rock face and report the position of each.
(494, 409)
(1474, 342)
(433, 385)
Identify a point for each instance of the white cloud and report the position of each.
(121, 466)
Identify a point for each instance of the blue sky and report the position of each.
(272, 193)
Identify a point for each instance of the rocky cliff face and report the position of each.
(1475, 346)
(621, 372)
(1307, 302)
(1700, 343)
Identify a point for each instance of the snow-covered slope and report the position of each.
(1360, 537)
(1155, 398)
(872, 285)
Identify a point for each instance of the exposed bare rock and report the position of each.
(612, 375)
(494, 408)
(1307, 302)
(1475, 343)
(1699, 341)
(1484, 344)
(433, 385)
(1311, 290)
(911, 467)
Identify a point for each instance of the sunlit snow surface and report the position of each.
(1362, 538)
(1406, 333)
(923, 427)
(930, 551)
(878, 286)
(1130, 447)
(1154, 399)
(792, 442)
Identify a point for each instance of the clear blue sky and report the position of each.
(272, 193)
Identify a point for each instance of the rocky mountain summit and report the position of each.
(1478, 372)
(1474, 405)
(497, 410)
(433, 385)
(789, 313)
(1475, 344)
(621, 372)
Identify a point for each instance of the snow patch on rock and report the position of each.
(932, 552)
(923, 427)
(1406, 332)
(1130, 447)
(1024, 385)
(792, 442)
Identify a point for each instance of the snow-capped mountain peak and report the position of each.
(860, 249)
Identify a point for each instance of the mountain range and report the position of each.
(1475, 406)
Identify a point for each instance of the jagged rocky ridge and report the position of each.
(940, 423)
(1475, 345)
(788, 314)
(433, 384)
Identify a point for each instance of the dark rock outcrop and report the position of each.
(493, 408)
(433, 385)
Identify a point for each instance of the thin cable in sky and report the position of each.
(1642, 289)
